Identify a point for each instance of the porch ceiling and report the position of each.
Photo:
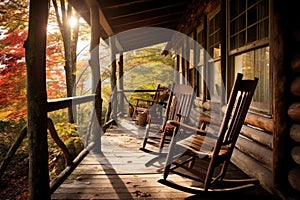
(118, 16)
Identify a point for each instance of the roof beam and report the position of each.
(104, 23)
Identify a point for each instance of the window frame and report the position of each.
(200, 66)
(213, 60)
(248, 47)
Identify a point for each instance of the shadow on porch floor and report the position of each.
(123, 171)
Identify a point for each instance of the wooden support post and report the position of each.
(113, 77)
(187, 61)
(223, 53)
(35, 47)
(279, 51)
(121, 84)
(95, 67)
(182, 66)
(176, 68)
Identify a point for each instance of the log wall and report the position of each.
(294, 114)
(269, 148)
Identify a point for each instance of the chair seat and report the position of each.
(201, 145)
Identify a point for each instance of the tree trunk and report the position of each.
(70, 39)
(35, 47)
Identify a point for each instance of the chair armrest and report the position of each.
(185, 126)
(147, 100)
(207, 120)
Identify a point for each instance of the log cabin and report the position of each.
(256, 37)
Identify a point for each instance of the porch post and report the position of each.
(113, 77)
(176, 68)
(35, 47)
(279, 53)
(121, 84)
(95, 67)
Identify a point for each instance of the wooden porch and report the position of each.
(125, 172)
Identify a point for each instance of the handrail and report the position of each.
(57, 104)
(119, 91)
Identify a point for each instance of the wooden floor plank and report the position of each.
(123, 171)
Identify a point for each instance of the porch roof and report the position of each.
(119, 16)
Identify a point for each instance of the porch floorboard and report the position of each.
(123, 171)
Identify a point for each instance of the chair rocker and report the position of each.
(190, 144)
(178, 109)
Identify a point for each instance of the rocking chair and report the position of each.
(212, 149)
(178, 109)
(142, 105)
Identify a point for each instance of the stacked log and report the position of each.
(294, 114)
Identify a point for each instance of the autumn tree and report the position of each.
(13, 25)
(13, 76)
(12, 62)
(14, 15)
(146, 68)
(64, 14)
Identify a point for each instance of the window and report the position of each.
(214, 49)
(191, 52)
(256, 64)
(249, 50)
(214, 81)
(214, 35)
(200, 52)
(249, 21)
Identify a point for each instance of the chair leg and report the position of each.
(191, 163)
(169, 158)
(162, 141)
(146, 135)
(168, 164)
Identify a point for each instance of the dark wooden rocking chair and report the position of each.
(142, 105)
(178, 109)
(215, 149)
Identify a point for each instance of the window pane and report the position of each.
(233, 42)
(242, 22)
(242, 38)
(200, 81)
(215, 81)
(241, 5)
(256, 64)
(263, 9)
(252, 34)
(263, 29)
(251, 2)
(214, 36)
(233, 9)
(234, 26)
(252, 16)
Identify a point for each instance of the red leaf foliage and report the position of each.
(13, 75)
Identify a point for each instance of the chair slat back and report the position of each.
(233, 120)
(236, 111)
(161, 94)
(180, 102)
